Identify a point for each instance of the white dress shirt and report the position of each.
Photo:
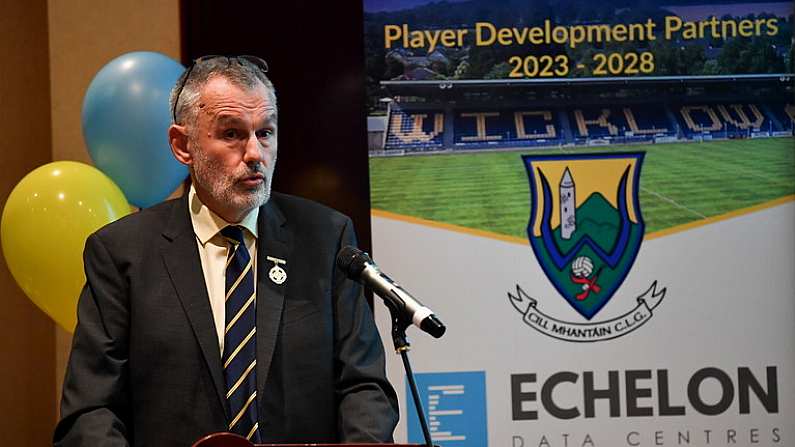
(214, 250)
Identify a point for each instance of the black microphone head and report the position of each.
(433, 326)
(352, 261)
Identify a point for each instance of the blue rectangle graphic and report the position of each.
(455, 404)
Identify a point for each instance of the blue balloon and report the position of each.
(125, 125)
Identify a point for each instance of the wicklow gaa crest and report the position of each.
(585, 229)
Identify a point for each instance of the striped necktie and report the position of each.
(240, 353)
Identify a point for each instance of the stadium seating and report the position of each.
(471, 127)
(597, 122)
(534, 125)
(516, 127)
(505, 128)
(723, 120)
(783, 117)
(626, 123)
(644, 120)
(415, 130)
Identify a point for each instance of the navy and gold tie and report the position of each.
(240, 350)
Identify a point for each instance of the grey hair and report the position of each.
(238, 71)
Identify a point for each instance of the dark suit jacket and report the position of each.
(145, 367)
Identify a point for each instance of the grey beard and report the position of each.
(225, 189)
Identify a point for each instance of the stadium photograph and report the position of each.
(712, 110)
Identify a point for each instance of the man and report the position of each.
(223, 310)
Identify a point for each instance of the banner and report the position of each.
(598, 199)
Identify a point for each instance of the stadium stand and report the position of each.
(647, 121)
(624, 124)
(782, 116)
(414, 130)
(485, 115)
(483, 129)
(597, 122)
(725, 120)
(505, 128)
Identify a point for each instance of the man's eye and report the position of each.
(230, 133)
(264, 133)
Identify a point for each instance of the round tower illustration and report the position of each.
(568, 220)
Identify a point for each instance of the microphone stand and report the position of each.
(399, 325)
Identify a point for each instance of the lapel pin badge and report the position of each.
(277, 273)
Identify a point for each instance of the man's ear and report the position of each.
(178, 139)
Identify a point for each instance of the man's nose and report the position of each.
(255, 151)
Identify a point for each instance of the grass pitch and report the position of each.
(680, 183)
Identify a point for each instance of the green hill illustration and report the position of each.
(596, 218)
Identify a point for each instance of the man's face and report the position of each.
(233, 148)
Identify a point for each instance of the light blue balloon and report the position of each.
(125, 125)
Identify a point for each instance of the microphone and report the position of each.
(360, 268)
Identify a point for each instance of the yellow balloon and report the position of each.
(45, 224)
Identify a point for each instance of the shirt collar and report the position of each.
(207, 224)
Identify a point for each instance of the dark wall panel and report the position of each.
(27, 335)
(316, 58)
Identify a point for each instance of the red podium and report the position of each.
(233, 440)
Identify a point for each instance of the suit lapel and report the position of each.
(273, 241)
(181, 257)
